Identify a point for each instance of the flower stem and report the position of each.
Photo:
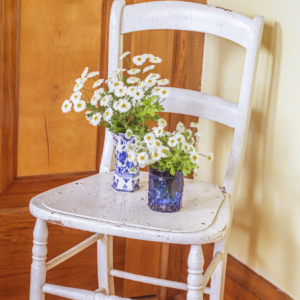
(86, 94)
(128, 62)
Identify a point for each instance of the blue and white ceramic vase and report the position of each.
(124, 180)
(165, 191)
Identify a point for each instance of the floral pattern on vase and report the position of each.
(165, 191)
(123, 180)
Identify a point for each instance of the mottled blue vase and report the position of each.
(165, 191)
(123, 180)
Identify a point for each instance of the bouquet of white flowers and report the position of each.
(125, 103)
(166, 151)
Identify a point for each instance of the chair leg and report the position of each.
(195, 273)
(38, 266)
(218, 278)
(105, 264)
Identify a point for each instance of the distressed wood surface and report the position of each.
(94, 198)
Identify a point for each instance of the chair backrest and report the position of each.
(178, 15)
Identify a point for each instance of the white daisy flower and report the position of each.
(128, 133)
(116, 72)
(159, 131)
(196, 170)
(148, 55)
(139, 60)
(117, 84)
(155, 155)
(105, 100)
(172, 142)
(179, 137)
(194, 156)
(111, 79)
(132, 80)
(99, 91)
(162, 123)
(157, 143)
(95, 119)
(155, 59)
(142, 85)
(131, 156)
(124, 55)
(185, 147)
(92, 74)
(107, 114)
(143, 158)
(163, 82)
(180, 127)
(148, 68)
(165, 92)
(85, 71)
(153, 75)
(66, 107)
(149, 138)
(116, 105)
(150, 81)
(195, 125)
(124, 106)
(79, 105)
(78, 87)
(199, 134)
(95, 98)
(189, 131)
(210, 157)
(131, 90)
(98, 83)
(138, 94)
(156, 91)
(81, 80)
(133, 71)
(162, 151)
(120, 91)
(76, 96)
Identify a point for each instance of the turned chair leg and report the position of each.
(195, 273)
(105, 264)
(38, 266)
(218, 278)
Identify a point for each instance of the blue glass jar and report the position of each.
(165, 191)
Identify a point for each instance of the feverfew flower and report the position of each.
(179, 137)
(81, 80)
(156, 155)
(199, 134)
(180, 127)
(132, 80)
(133, 71)
(131, 90)
(79, 105)
(158, 131)
(95, 119)
(128, 133)
(143, 158)
(107, 114)
(189, 131)
(148, 55)
(121, 91)
(85, 71)
(195, 125)
(131, 156)
(116, 105)
(105, 100)
(210, 157)
(172, 142)
(139, 60)
(153, 75)
(66, 107)
(148, 68)
(157, 143)
(116, 72)
(111, 79)
(165, 92)
(162, 123)
(95, 98)
(156, 91)
(98, 83)
(150, 81)
(155, 59)
(149, 138)
(124, 55)
(163, 82)
(93, 74)
(138, 94)
(117, 84)
(124, 106)
(194, 156)
(100, 91)
(78, 87)
(162, 151)
(76, 96)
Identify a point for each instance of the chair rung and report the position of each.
(77, 294)
(211, 268)
(71, 252)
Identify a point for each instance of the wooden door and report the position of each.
(45, 45)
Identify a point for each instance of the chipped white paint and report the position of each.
(90, 204)
(211, 268)
(201, 203)
(77, 294)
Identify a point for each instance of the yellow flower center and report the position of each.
(194, 157)
(66, 105)
(76, 96)
(79, 105)
(148, 138)
(164, 92)
(155, 154)
(139, 59)
(142, 157)
(123, 105)
(163, 150)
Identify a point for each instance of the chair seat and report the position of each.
(92, 204)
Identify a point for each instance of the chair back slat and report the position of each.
(180, 15)
(193, 103)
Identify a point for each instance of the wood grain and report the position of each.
(57, 41)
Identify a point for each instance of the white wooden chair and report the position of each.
(90, 204)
